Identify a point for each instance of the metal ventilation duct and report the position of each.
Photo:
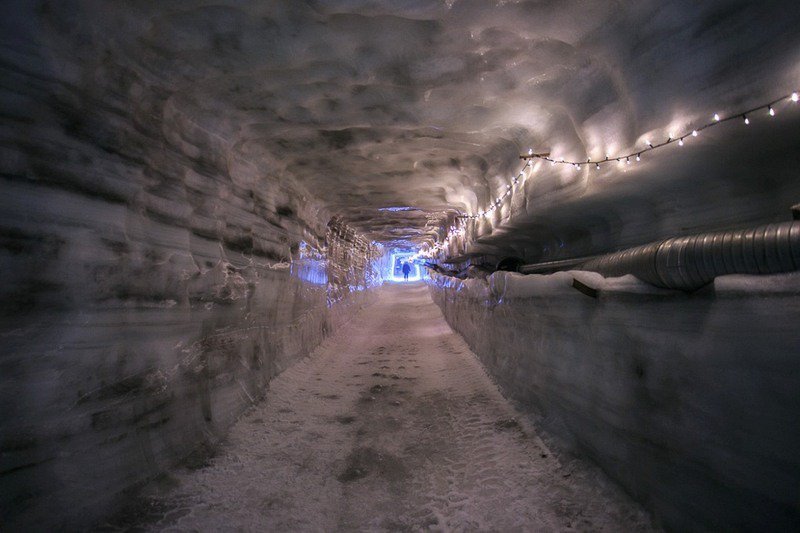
(688, 263)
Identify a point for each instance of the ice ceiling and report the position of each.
(398, 115)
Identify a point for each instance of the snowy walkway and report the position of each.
(392, 424)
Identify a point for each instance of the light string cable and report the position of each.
(637, 154)
(459, 228)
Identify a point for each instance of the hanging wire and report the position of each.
(716, 120)
(459, 229)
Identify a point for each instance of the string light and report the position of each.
(624, 159)
(717, 120)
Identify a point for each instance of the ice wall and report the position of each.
(154, 280)
(689, 401)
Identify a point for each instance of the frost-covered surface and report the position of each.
(168, 171)
(689, 401)
(392, 424)
(149, 294)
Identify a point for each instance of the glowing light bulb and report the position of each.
(680, 142)
(694, 133)
(716, 117)
(794, 97)
(771, 111)
(746, 120)
(597, 166)
(638, 157)
(577, 167)
(627, 160)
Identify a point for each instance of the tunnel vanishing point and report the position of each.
(205, 209)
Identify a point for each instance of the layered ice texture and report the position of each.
(136, 329)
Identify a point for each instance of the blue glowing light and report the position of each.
(396, 269)
(393, 209)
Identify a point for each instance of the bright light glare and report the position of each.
(414, 275)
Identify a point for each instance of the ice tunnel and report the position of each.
(206, 207)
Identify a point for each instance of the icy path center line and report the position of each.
(391, 424)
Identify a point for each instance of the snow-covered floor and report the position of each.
(392, 424)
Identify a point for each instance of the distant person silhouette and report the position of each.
(406, 270)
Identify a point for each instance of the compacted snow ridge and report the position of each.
(391, 424)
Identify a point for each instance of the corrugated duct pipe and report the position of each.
(688, 263)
